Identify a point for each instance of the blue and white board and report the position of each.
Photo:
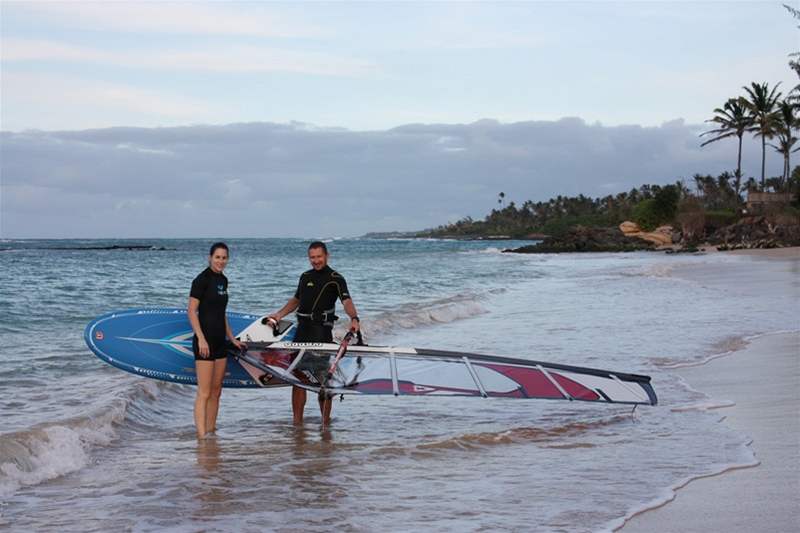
(157, 343)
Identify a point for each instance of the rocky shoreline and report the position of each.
(585, 239)
(459, 237)
(757, 232)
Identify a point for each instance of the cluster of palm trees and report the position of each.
(763, 113)
(717, 193)
(555, 214)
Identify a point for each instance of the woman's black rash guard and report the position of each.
(317, 292)
(211, 288)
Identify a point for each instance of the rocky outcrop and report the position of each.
(757, 232)
(750, 232)
(662, 236)
(584, 239)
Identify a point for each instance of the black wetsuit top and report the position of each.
(211, 289)
(318, 291)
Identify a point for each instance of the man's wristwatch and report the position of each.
(355, 318)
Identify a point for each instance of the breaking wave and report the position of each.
(722, 348)
(547, 437)
(48, 451)
(414, 315)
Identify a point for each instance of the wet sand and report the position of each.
(763, 379)
(792, 252)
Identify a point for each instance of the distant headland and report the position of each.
(726, 211)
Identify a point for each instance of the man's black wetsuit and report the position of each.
(211, 288)
(317, 292)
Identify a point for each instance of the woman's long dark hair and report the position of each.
(219, 245)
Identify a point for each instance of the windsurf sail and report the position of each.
(422, 372)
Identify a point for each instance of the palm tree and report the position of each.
(761, 106)
(733, 119)
(701, 184)
(787, 122)
(500, 198)
(794, 63)
(683, 190)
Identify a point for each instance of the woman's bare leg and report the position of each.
(205, 374)
(212, 407)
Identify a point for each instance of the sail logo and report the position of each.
(304, 344)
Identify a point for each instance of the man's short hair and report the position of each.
(318, 244)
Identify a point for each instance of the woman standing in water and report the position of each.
(207, 302)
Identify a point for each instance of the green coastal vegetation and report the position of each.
(717, 200)
(699, 206)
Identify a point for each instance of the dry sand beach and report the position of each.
(762, 381)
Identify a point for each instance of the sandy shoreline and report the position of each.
(763, 380)
(792, 252)
(789, 252)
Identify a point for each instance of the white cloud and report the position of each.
(15, 49)
(144, 150)
(226, 59)
(56, 102)
(246, 19)
(261, 59)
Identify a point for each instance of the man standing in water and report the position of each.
(315, 302)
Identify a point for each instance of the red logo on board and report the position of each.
(98, 335)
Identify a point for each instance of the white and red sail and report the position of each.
(420, 372)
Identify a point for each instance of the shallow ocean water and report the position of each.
(86, 446)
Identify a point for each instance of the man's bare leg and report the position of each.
(325, 405)
(298, 405)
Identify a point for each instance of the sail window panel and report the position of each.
(494, 383)
(366, 374)
(530, 382)
(618, 391)
(435, 377)
(316, 363)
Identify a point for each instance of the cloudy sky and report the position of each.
(126, 119)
